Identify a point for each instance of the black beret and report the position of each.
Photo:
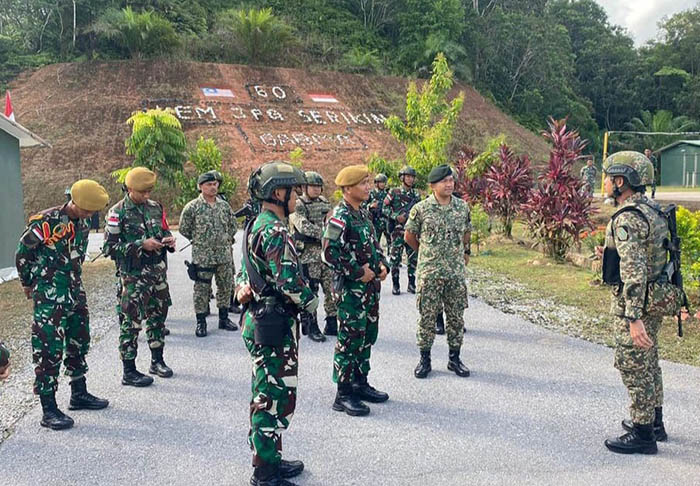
(212, 175)
(439, 173)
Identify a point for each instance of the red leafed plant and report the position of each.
(469, 189)
(508, 184)
(558, 210)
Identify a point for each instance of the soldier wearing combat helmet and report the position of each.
(634, 262)
(375, 204)
(49, 259)
(271, 286)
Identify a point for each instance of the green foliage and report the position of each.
(481, 227)
(390, 168)
(205, 157)
(257, 34)
(660, 121)
(156, 142)
(296, 157)
(361, 60)
(430, 120)
(688, 225)
(490, 156)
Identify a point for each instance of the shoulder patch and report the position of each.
(334, 228)
(113, 222)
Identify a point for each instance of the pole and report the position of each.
(605, 156)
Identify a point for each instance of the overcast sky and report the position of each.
(641, 16)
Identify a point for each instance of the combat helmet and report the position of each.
(381, 178)
(273, 175)
(313, 178)
(633, 166)
(407, 170)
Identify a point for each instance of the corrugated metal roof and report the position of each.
(26, 138)
(695, 143)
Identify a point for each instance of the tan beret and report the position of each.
(89, 195)
(351, 175)
(140, 179)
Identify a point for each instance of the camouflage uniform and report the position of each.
(4, 355)
(589, 175)
(49, 260)
(381, 225)
(398, 202)
(441, 269)
(212, 229)
(274, 380)
(144, 286)
(349, 243)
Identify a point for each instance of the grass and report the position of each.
(676, 189)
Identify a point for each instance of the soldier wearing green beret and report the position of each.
(49, 260)
(208, 222)
(4, 362)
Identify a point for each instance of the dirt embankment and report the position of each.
(255, 114)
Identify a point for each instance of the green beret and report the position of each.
(212, 175)
(89, 195)
(140, 179)
(351, 175)
(4, 356)
(439, 173)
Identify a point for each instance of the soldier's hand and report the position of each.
(151, 244)
(599, 251)
(368, 275)
(5, 372)
(639, 335)
(169, 241)
(401, 219)
(27, 292)
(384, 273)
(244, 294)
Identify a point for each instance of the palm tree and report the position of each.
(258, 33)
(662, 121)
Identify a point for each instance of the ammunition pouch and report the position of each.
(611, 267)
(271, 320)
(193, 272)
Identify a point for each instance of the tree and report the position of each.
(430, 120)
(660, 121)
(156, 142)
(257, 33)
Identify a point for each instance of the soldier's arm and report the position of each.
(631, 230)
(283, 263)
(27, 253)
(115, 244)
(164, 222)
(303, 225)
(333, 252)
(387, 210)
(187, 222)
(413, 227)
(468, 232)
(234, 224)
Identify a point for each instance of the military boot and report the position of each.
(201, 329)
(640, 440)
(158, 366)
(132, 377)
(411, 284)
(305, 319)
(345, 401)
(364, 391)
(314, 332)
(331, 328)
(396, 287)
(267, 475)
(53, 418)
(224, 322)
(289, 469)
(423, 367)
(455, 364)
(80, 399)
(659, 429)
(440, 324)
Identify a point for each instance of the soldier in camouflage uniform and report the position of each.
(137, 237)
(49, 261)
(375, 204)
(634, 261)
(307, 223)
(209, 223)
(439, 230)
(397, 206)
(271, 286)
(589, 174)
(351, 248)
(4, 362)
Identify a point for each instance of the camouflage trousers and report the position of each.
(380, 228)
(322, 275)
(434, 294)
(143, 297)
(639, 369)
(274, 396)
(224, 284)
(60, 332)
(398, 245)
(358, 328)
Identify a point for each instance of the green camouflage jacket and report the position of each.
(440, 231)
(307, 227)
(128, 226)
(398, 202)
(589, 174)
(50, 255)
(211, 229)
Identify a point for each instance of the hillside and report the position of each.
(256, 115)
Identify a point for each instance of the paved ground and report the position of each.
(535, 411)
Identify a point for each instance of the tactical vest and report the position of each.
(317, 211)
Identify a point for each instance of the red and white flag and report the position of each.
(9, 112)
(323, 98)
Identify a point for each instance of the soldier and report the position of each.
(307, 228)
(634, 260)
(4, 362)
(655, 163)
(137, 237)
(351, 248)
(272, 288)
(589, 173)
(397, 206)
(375, 204)
(49, 259)
(439, 230)
(209, 223)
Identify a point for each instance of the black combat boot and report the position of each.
(314, 332)
(53, 418)
(132, 377)
(640, 440)
(305, 319)
(455, 364)
(158, 366)
(440, 324)
(659, 429)
(201, 329)
(411, 284)
(346, 402)
(396, 287)
(267, 475)
(423, 367)
(80, 399)
(364, 391)
(224, 322)
(331, 328)
(289, 469)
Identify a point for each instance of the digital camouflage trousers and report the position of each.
(434, 295)
(223, 273)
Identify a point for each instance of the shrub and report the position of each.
(361, 60)
(389, 168)
(480, 226)
(257, 34)
(688, 225)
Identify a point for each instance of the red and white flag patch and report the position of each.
(337, 222)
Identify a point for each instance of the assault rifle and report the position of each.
(673, 246)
